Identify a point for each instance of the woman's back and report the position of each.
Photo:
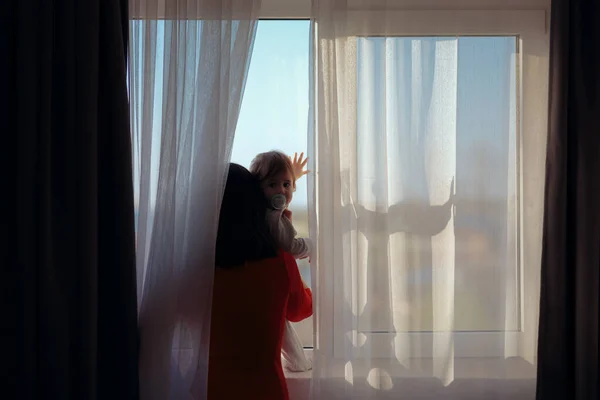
(255, 289)
(251, 303)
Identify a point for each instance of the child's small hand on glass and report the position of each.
(299, 163)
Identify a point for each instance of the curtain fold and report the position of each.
(568, 350)
(69, 252)
(415, 209)
(187, 71)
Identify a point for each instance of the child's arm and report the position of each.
(301, 247)
(280, 232)
(298, 247)
(284, 234)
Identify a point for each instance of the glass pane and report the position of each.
(274, 109)
(433, 110)
(274, 114)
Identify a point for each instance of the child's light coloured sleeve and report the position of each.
(281, 232)
(284, 234)
(301, 247)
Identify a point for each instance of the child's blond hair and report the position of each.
(271, 163)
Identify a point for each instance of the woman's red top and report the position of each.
(249, 309)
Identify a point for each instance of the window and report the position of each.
(488, 63)
(469, 85)
(492, 102)
(274, 113)
(498, 74)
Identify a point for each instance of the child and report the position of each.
(277, 174)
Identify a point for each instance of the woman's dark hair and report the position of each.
(242, 235)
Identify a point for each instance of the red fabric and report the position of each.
(250, 305)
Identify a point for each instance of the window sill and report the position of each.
(300, 375)
(474, 377)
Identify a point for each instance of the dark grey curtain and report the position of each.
(68, 269)
(568, 350)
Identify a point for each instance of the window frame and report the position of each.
(443, 19)
(531, 29)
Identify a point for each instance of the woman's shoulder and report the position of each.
(289, 260)
(278, 267)
(286, 256)
(278, 259)
(282, 259)
(256, 273)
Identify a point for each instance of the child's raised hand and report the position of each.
(298, 163)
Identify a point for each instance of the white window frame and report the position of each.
(527, 19)
(530, 28)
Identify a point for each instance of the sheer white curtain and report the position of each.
(188, 63)
(426, 280)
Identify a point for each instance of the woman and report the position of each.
(256, 287)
